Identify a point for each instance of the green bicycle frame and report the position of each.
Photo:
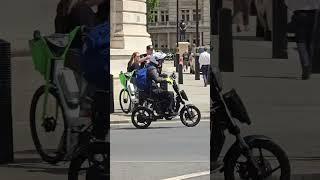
(124, 79)
(43, 57)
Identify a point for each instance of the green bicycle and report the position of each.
(58, 131)
(127, 97)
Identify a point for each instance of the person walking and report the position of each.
(185, 61)
(204, 62)
(302, 24)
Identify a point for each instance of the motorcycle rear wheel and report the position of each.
(141, 117)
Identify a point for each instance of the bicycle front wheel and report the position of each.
(48, 129)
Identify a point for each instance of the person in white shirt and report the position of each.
(204, 61)
(302, 23)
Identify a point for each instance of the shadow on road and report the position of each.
(121, 114)
(272, 77)
(150, 128)
(36, 165)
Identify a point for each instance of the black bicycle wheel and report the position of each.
(47, 133)
(125, 101)
(91, 166)
(271, 159)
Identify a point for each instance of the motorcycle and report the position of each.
(152, 109)
(254, 157)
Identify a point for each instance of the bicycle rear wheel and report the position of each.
(125, 101)
(48, 132)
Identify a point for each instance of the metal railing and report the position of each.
(171, 24)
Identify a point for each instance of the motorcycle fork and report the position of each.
(247, 152)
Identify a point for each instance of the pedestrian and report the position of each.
(185, 61)
(204, 62)
(301, 24)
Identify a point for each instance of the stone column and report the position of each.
(206, 22)
(129, 25)
(129, 31)
(172, 10)
(158, 39)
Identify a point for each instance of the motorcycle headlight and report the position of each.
(236, 107)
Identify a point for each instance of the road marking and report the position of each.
(160, 161)
(169, 122)
(188, 176)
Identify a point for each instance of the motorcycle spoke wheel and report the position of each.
(190, 116)
(141, 118)
(271, 160)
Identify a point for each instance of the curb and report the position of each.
(115, 122)
(293, 177)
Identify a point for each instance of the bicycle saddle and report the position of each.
(57, 43)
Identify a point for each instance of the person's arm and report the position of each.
(144, 59)
(154, 75)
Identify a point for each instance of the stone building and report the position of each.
(163, 27)
(128, 31)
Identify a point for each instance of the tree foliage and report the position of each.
(151, 6)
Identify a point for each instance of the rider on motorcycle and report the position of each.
(154, 78)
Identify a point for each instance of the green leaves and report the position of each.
(151, 6)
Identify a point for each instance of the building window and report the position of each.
(185, 14)
(155, 16)
(195, 15)
(167, 16)
(164, 16)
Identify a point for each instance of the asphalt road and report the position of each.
(166, 149)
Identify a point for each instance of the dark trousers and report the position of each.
(182, 36)
(205, 74)
(163, 94)
(303, 27)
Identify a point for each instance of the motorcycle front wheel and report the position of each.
(190, 115)
(271, 159)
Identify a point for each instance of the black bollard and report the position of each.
(6, 132)
(197, 66)
(177, 62)
(180, 80)
(279, 30)
(111, 94)
(226, 41)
